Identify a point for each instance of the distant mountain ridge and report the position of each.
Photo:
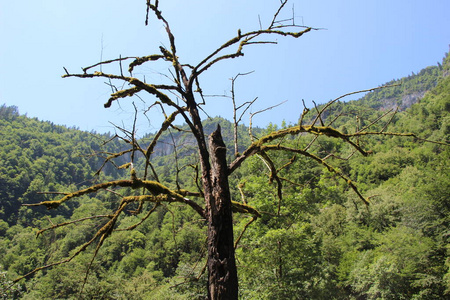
(408, 90)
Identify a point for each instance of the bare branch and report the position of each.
(109, 159)
(283, 3)
(102, 233)
(398, 134)
(256, 146)
(120, 59)
(377, 120)
(71, 222)
(236, 119)
(142, 220)
(348, 94)
(153, 186)
(139, 85)
(304, 112)
(243, 231)
(240, 186)
(319, 114)
(242, 39)
(321, 161)
(274, 176)
(171, 55)
(390, 120)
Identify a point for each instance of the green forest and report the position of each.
(319, 242)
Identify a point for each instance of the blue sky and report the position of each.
(364, 44)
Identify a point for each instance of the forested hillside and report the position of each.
(320, 242)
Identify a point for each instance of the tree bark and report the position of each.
(222, 273)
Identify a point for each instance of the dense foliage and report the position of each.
(320, 242)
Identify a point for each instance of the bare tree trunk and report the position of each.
(222, 273)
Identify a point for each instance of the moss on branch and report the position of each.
(152, 186)
(244, 208)
(329, 167)
(123, 93)
(140, 60)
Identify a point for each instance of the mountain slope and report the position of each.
(323, 244)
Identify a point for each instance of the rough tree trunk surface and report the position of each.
(222, 278)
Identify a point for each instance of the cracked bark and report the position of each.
(222, 278)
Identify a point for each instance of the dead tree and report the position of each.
(184, 98)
